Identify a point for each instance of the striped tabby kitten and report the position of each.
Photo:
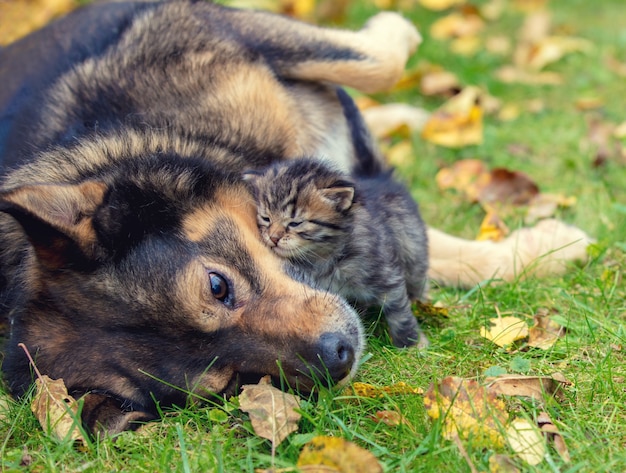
(359, 237)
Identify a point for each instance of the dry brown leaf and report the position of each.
(272, 411)
(391, 418)
(371, 391)
(553, 435)
(20, 17)
(458, 122)
(545, 332)
(466, 175)
(333, 454)
(468, 410)
(503, 331)
(526, 441)
(56, 410)
(508, 187)
(534, 387)
(546, 205)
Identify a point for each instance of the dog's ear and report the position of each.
(105, 415)
(57, 219)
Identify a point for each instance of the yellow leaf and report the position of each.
(456, 25)
(492, 227)
(401, 154)
(385, 120)
(391, 418)
(371, 391)
(466, 45)
(467, 410)
(526, 441)
(467, 176)
(504, 331)
(272, 411)
(20, 17)
(339, 455)
(438, 5)
(56, 410)
(458, 122)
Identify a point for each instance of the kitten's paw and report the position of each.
(409, 335)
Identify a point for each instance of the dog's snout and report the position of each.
(336, 354)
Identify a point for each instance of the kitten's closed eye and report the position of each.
(264, 218)
(294, 224)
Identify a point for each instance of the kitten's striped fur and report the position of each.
(360, 237)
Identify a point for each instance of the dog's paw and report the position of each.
(393, 31)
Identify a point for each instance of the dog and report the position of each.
(130, 260)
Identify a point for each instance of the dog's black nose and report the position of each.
(336, 354)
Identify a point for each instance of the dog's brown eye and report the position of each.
(219, 287)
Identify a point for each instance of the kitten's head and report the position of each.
(303, 208)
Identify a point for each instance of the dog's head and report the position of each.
(153, 284)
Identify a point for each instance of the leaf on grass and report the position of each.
(391, 418)
(438, 81)
(534, 387)
(515, 75)
(503, 331)
(467, 410)
(333, 454)
(458, 122)
(551, 49)
(466, 175)
(508, 187)
(492, 227)
(526, 441)
(438, 5)
(386, 120)
(545, 332)
(499, 463)
(553, 435)
(545, 205)
(56, 410)
(400, 154)
(457, 25)
(272, 411)
(375, 392)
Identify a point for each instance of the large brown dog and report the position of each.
(130, 259)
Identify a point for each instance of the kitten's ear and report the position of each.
(341, 197)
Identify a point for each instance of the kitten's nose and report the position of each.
(276, 236)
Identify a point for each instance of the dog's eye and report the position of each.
(219, 287)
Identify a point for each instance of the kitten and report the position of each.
(360, 237)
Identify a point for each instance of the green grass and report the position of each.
(589, 300)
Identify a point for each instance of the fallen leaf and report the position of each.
(458, 122)
(438, 5)
(466, 45)
(503, 331)
(272, 411)
(498, 45)
(551, 49)
(545, 205)
(526, 441)
(534, 387)
(334, 454)
(371, 391)
(467, 176)
(391, 418)
(492, 227)
(515, 75)
(20, 17)
(508, 187)
(400, 154)
(499, 463)
(545, 332)
(456, 25)
(553, 435)
(468, 410)
(385, 120)
(56, 410)
(439, 82)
